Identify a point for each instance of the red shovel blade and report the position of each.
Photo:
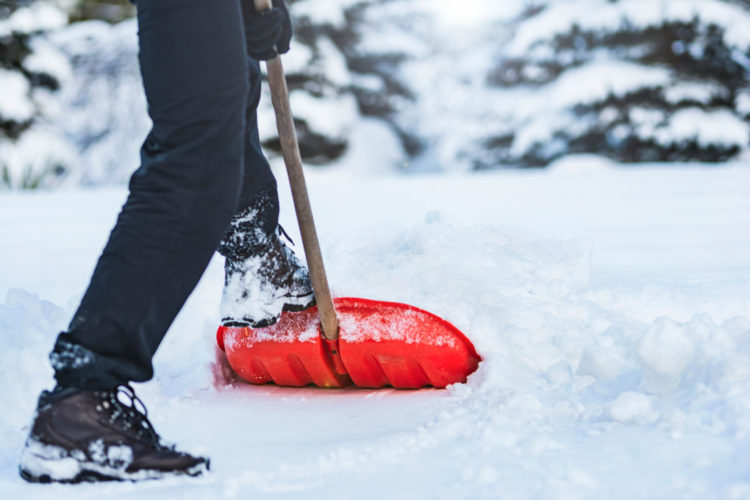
(380, 344)
(290, 353)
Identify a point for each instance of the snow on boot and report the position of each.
(257, 289)
(80, 435)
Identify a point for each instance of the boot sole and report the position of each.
(77, 471)
(87, 475)
(305, 302)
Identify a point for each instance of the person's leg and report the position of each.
(182, 198)
(263, 277)
(257, 214)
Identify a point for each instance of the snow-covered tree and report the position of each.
(360, 47)
(320, 86)
(636, 80)
(31, 71)
(451, 85)
(523, 82)
(105, 111)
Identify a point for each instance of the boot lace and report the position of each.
(283, 233)
(127, 409)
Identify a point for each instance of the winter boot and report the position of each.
(80, 435)
(258, 288)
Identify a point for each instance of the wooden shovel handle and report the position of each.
(293, 161)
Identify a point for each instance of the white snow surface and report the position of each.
(610, 304)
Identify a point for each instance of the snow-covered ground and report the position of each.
(611, 306)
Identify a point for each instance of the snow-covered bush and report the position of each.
(112, 11)
(320, 83)
(105, 109)
(31, 71)
(636, 80)
(524, 82)
(454, 86)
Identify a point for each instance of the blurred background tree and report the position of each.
(112, 11)
(31, 72)
(437, 85)
(637, 81)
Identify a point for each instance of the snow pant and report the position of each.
(201, 167)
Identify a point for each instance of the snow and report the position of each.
(631, 406)
(362, 159)
(543, 111)
(453, 13)
(50, 460)
(40, 157)
(446, 57)
(298, 58)
(699, 92)
(705, 127)
(36, 159)
(323, 11)
(103, 105)
(592, 15)
(15, 102)
(610, 306)
(249, 295)
(46, 58)
(456, 55)
(36, 17)
(331, 116)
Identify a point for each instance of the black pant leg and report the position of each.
(258, 208)
(182, 198)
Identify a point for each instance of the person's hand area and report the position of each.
(267, 33)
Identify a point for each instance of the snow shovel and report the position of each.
(341, 341)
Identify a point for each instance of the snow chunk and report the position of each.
(632, 407)
(53, 461)
(666, 350)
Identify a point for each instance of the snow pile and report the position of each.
(28, 327)
(548, 338)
